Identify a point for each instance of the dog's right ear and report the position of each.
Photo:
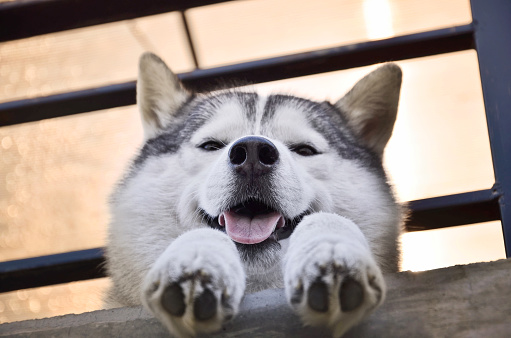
(160, 94)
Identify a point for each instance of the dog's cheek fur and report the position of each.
(196, 167)
(363, 197)
(350, 189)
(140, 208)
(161, 200)
(293, 187)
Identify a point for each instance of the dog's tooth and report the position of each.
(281, 222)
(221, 220)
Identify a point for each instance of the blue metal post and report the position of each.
(492, 34)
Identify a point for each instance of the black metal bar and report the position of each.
(433, 213)
(337, 58)
(65, 104)
(23, 19)
(492, 22)
(52, 269)
(452, 210)
(189, 38)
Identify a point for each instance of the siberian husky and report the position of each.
(235, 192)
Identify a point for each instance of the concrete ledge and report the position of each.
(462, 301)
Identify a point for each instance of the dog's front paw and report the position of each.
(331, 278)
(196, 284)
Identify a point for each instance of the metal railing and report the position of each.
(488, 35)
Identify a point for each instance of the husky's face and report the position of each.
(257, 178)
(253, 166)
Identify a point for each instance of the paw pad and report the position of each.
(351, 295)
(318, 296)
(173, 300)
(204, 306)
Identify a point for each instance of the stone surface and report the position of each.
(461, 301)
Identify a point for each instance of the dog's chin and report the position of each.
(261, 256)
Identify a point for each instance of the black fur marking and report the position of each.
(272, 104)
(189, 118)
(249, 104)
(172, 300)
(318, 296)
(330, 123)
(351, 294)
(204, 306)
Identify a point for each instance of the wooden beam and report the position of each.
(462, 301)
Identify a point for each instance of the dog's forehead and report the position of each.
(290, 119)
(231, 115)
(224, 114)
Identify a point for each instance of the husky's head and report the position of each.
(253, 165)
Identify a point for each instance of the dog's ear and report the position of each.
(370, 107)
(160, 94)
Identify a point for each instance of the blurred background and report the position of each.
(56, 175)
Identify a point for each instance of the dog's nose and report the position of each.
(253, 156)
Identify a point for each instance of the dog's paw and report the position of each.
(331, 278)
(196, 284)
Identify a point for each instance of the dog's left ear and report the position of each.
(160, 94)
(370, 107)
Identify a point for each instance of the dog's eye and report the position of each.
(212, 145)
(304, 150)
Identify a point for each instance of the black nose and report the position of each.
(253, 156)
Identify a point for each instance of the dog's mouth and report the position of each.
(250, 222)
(253, 222)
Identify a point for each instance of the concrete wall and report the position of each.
(462, 301)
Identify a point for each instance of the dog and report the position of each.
(233, 192)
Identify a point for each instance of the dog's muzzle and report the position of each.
(253, 216)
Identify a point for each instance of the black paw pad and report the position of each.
(204, 306)
(351, 295)
(173, 300)
(318, 296)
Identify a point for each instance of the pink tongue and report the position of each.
(248, 230)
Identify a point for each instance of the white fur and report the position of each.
(204, 252)
(157, 236)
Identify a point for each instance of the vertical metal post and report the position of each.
(492, 35)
